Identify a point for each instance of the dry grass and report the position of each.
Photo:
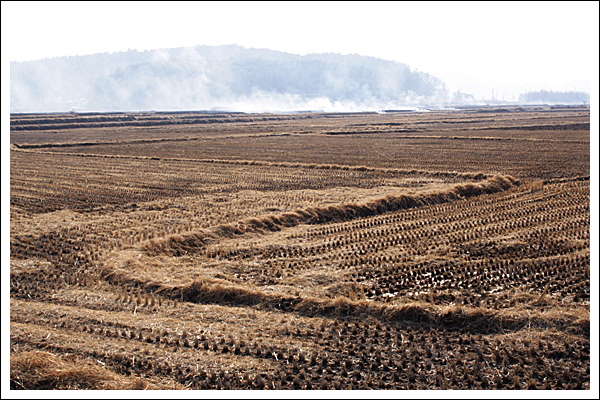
(195, 241)
(42, 370)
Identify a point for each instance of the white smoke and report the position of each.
(219, 78)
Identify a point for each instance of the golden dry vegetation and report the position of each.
(439, 250)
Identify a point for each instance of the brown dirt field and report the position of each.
(440, 250)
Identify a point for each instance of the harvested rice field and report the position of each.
(313, 251)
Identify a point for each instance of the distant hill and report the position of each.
(550, 97)
(218, 78)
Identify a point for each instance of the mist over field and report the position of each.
(219, 78)
(233, 78)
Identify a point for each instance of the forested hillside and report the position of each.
(218, 77)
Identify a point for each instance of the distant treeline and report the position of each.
(545, 96)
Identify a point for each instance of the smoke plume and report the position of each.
(229, 78)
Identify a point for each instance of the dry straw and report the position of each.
(41, 370)
(193, 242)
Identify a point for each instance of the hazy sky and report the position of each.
(509, 47)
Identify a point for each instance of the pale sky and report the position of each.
(509, 47)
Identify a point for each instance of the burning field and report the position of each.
(440, 250)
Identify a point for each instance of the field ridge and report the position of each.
(195, 241)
